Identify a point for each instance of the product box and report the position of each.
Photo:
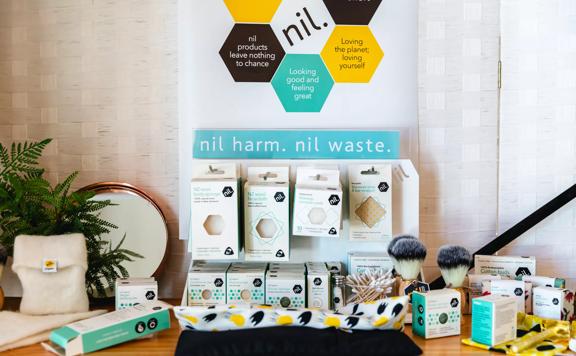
(317, 202)
(494, 319)
(475, 286)
(370, 192)
(553, 303)
(318, 285)
(267, 214)
(207, 284)
(110, 329)
(214, 224)
(541, 281)
(436, 313)
(517, 289)
(335, 267)
(134, 291)
(359, 262)
(245, 283)
(286, 287)
(507, 266)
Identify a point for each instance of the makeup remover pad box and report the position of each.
(286, 286)
(214, 212)
(370, 188)
(494, 319)
(110, 329)
(553, 303)
(436, 313)
(134, 291)
(317, 202)
(267, 214)
(207, 284)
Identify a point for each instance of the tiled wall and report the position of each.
(100, 77)
(458, 121)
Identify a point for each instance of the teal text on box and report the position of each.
(292, 144)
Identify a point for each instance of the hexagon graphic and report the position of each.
(302, 83)
(352, 12)
(214, 225)
(266, 228)
(252, 11)
(252, 53)
(352, 54)
(302, 26)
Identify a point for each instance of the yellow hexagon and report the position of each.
(252, 11)
(352, 54)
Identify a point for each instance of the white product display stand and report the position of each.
(405, 209)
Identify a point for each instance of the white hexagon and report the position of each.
(266, 228)
(317, 216)
(214, 225)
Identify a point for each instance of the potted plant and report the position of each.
(30, 205)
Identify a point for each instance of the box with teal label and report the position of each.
(245, 283)
(110, 329)
(494, 319)
(436, 313)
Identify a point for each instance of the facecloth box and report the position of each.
(370, 194)
(509, 267)
(494, 319)
(110, 329)
(267, 214)
(317, 202)
(475, 286)
(214, 224)
(436, 313)
(553, 303)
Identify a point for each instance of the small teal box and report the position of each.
(494, 319)
(436, 313)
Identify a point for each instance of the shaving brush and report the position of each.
(408, 254)
(3, 259)
(454, 263)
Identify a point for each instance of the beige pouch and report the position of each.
(52, 272)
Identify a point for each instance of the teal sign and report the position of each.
(291, 144)
(302, 83)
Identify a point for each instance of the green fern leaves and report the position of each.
(30, 205)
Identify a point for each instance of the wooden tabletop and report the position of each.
(164, 343)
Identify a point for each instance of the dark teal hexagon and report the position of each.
(302, 83)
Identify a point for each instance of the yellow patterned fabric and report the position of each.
(385, 314)
(536, 336)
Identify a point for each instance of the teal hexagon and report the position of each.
(302, 83)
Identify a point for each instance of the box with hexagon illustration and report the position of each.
(245, 283)
(214, 212)
(267, 214)
(317, 202)
(370, 195)
(436, 313)
(206, 284)
(286, 285)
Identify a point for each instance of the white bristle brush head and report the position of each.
(408, 255)
(454, 263)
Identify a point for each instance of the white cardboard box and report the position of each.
(370, 192)
(317, 202)
(134, 291)
(214, 212)
(553, 303)
(207, 284)
(494, 319)
(246, 283)
(360, 262)
(506, 287)
(267, 214)
(318, 285)
(286, 286)
(507, 266)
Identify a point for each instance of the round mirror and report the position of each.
(140, 219)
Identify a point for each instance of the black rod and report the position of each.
(520, 228)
